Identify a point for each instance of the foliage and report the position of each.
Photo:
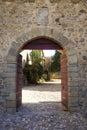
(56, 75)
(36, 57)
(33, 72)
(55, 63)
(36, 61)
(44, 76)
(40, 70)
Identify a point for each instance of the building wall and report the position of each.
(63, 21)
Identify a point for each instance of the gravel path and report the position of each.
(40, 112)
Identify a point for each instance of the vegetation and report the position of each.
(34, 71)
(55, 63)
(30, 73)
(36, 57)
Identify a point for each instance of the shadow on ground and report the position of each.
(42, 107)
(44, 87)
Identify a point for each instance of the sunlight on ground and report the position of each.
(37, 96)
(57, 81)
(42, 93)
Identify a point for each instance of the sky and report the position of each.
(47, 53)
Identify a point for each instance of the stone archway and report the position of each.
(42, 43)
(64, 42)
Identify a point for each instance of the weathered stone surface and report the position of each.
(42, 16)
(63, 21)
(75, 1)
(43, 115)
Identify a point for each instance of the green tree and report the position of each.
(55, 63)
(36, 57)
(36, 61)
(33, 72)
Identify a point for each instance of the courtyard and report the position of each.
(42, 110)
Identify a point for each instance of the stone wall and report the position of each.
(64, 21)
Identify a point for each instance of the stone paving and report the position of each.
(40, 112)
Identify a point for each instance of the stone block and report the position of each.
(11, 110)
(12, 58)
(73, 79)
(73, 69)
(11, 96)
(11, 87)
(72, 59)
(75, 1)
(73, 75)
(54, 1)
(73, 83)
(24, 38)
(73, 100)
(13, 51)
(75, 108)
(71, 52)
(73, 93)
(31, 1)
(11, 75)
(10, 103)
(42, 16)
(62, 39)
(11, 65)
(2, 100)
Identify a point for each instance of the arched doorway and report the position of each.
(72, 63)
(43, 43)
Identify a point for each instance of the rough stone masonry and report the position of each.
(63, 21)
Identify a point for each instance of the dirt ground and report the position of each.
(45, 92)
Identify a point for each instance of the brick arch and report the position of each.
(68, 46)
